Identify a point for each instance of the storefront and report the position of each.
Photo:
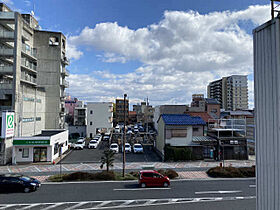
(45, 147)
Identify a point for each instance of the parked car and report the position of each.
(80, 144)
(114, 147)
(127, 147)
(106, 138)
(92, 144)
(17, 182)
(137, 148)
(148, 178)
(129, 132)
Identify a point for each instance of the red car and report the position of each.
(152, 178)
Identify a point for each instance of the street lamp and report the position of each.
(124, 135)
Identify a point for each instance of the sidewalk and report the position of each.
(192, 165)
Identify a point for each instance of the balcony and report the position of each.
(65, 61)
(26, 78)
(6, 69)
(65, 72)
(64, 83)
(5, 108)
(6, 35)
(6, 86)
(30, 52)
(7, 15)
(28, 66)
(5, 52)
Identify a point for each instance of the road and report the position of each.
(98, 195)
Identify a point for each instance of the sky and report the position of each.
(165, 50)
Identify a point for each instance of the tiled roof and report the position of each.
(204, 115)
(198, 139)
(181, 119)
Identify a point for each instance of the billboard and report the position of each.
(8, 124)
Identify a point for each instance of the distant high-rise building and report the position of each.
(230, 92)
(119, 112)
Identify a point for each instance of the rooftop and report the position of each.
(50, 132)
(204, 115)
(182, 119)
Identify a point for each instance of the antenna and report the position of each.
(275, 8)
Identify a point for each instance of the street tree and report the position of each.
(107, 159)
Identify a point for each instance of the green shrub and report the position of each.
(77, 176)
(104, 175)
(177, 153)
(231, 172)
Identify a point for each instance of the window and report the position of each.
(53, 41)
(56, 148)
(90, 135)
(90, 111)
(195, 129)
(90, 123)
(148, 174)
(179, 133)
(25, 153)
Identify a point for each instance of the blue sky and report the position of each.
(119, 46)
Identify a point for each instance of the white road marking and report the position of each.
(150, 202)
(252, 185)
(31, 206)
(77, 205)
(102, 204)
(53, 206)
(136, 189)
(218, 192)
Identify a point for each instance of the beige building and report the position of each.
(32, 73)
(231, 92)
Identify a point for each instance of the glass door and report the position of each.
(40, 154)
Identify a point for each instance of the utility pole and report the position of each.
(124, 135)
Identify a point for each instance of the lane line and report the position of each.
(150, 202)
(54, 206)
(102, 204)
(138, 189)
(77, 205)
(218, 192)
(30, 206)
(252, 185)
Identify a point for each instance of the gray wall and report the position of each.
(267, 103)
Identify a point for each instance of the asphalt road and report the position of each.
(123, 194)
(94, 155)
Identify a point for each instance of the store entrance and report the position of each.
(40, 154)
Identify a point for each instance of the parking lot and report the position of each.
(94, 155)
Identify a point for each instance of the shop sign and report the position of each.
(8, 125)
(31, 142)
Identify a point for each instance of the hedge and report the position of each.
(177, 153)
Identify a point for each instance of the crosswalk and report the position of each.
(114, 204)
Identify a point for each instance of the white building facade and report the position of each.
(45, 147)
(99, 117)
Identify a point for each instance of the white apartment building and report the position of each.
(99, 117)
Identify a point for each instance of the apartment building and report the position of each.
(99, 117)
(119, 111)
(230, 92)
(144, 113)
(80, 114)
(32, 73)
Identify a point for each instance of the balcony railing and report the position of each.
(6, 85)
(65, 72)
(28, 65)
(64, 83)
(7, 15)
(65, 60)
(6, 69)
(6, 35)
(29, 51)
(6, 52)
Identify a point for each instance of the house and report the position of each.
(177, 131)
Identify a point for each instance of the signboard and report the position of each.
(31, 142)
(8, 124)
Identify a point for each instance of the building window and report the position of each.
(179, 133)
(90, 135)
(195, 129)
(53, 41)
(91, 111)
(25, 153)
(90, 123)
(56, 148)
(38, 118)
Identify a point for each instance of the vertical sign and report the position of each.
(8, 125)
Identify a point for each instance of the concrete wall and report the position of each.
(101, 117)
(267, 103)
(60, 138)
(82, 130)
(179, 141)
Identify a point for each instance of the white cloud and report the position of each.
(180, 54)
(73, 52)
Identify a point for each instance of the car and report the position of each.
(129, 132)
(80, 144)
(92, 144)
(127, 147)
(137, 148)
(114, 147)
(136, 130)
(106, 138)
(149, 178)
(18, 182)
